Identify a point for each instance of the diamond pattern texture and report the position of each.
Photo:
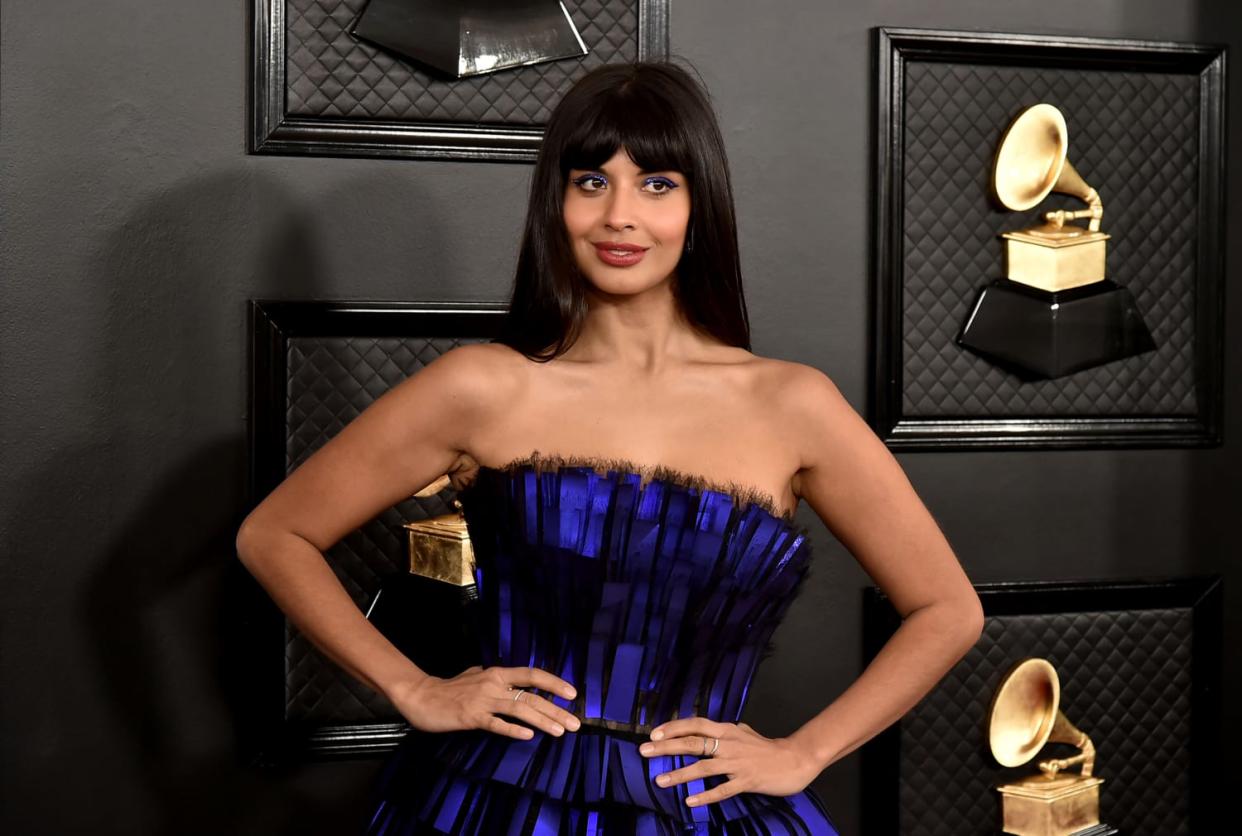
(1134, 137)
(1125, 681)
(330, 381)
(329, 73)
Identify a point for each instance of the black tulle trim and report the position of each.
(742, 494)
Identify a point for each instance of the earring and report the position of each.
(690, 240)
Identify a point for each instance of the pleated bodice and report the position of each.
(655, 593)
(654, 600)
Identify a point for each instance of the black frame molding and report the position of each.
(274, 131)
(267, 735)
(1203, 595)
(893, 48)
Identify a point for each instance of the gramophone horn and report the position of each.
(1024, 711)
(1026, 715)
(1031, 162)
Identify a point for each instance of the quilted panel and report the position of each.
(330, 381)
(1132, 135)
(328, 73)
(1125, 681)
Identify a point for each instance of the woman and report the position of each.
(629, 578)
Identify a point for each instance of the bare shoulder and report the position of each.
(816, 419)
(796, 389)
(474, 375)
(494, 361)
(456, 394)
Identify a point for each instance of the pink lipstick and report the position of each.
(619, 255)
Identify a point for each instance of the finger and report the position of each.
(690, 725)
(528, 714)
(507, 729)
(529, 677)
(548, 708)
(698, 769)
(720, 793)
(692, 744)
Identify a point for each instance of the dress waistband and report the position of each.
(614, 728)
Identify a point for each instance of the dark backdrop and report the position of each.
(135, 228)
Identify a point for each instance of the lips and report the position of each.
(618, 254)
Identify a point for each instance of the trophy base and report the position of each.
(1054, 261)
(458, 40)
(1039, 334)
(1041, 805)
(408, 609)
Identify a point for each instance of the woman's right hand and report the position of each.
(476, 697)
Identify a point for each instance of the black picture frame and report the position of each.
(274, 130)
(1202, 596)
(268, 735)
(897, 49)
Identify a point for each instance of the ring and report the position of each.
(714, 748)
(519, 693)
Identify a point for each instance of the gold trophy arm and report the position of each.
(1063, 731)
(1051, 768)
(434, 488)
(1095, 213)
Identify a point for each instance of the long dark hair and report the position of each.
(664, 119)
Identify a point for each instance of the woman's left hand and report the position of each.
(752, 762)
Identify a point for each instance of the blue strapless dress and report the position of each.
(655, 593)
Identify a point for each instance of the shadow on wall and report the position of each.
(160, 607)
(155, 609)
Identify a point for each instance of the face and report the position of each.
(626, 227)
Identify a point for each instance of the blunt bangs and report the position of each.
(634, 118)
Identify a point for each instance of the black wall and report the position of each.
(135, 227)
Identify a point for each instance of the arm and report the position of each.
(409, 437)
(855, 485)
(406, 439)
(859, 490)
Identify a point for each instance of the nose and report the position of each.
(619, 210)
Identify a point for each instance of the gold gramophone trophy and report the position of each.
(427, 611)
(440, 547)
(1055, 312)
(1026, 715)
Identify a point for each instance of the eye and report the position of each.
(659, 185)
(590, 182)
